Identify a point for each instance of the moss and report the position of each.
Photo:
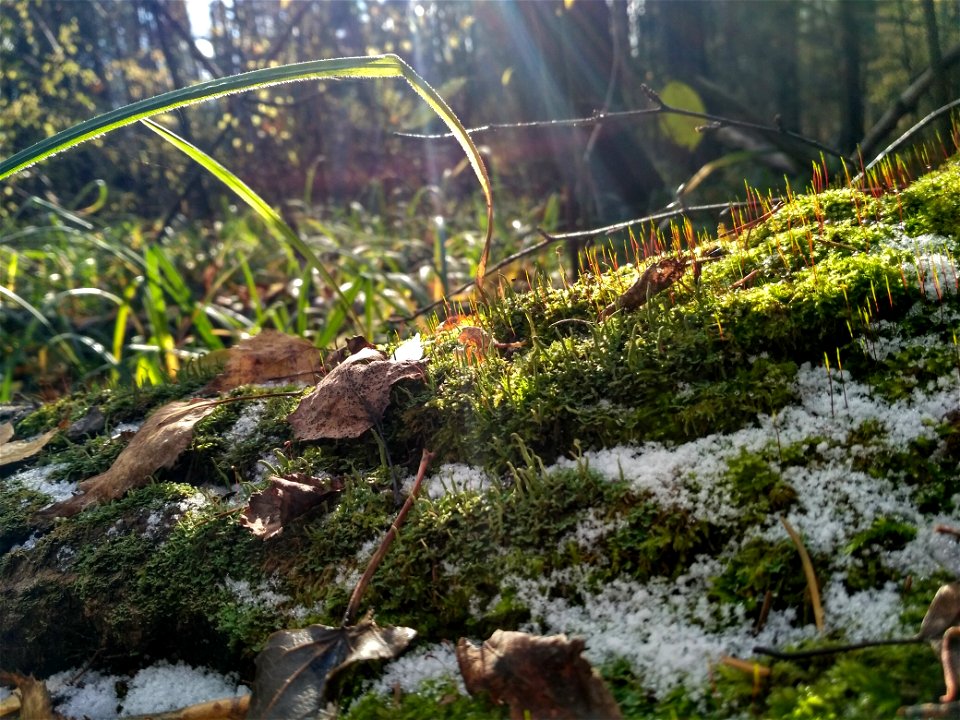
(758, 488)
(440, 700)
(655, 541)
(141, 582)
(929, 205)
(441, 569)
(868, 547)
(865, 685)
(17, 505)
(762, 567)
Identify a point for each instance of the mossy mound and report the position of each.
(625, 479)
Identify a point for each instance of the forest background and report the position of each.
(398, 216)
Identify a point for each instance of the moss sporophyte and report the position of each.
(618, 475)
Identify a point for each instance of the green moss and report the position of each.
(144, 581)
(762, 567)
(440, 700)
(17, 505)
(929, 205)
(868, 549)
(655, 541)
(758, 488)
(865, 685)
(700, 358)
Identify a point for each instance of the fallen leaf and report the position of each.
(352, 398)
(943, 613)
(284, 500)
(6, 432)
(158, 444)
(35, 700)
(231, 708)
(656, 278)
(940, 626)
(271, 356)
(477, 342)
(538, 677)
(17, 450)
(353, 345)
(453, 321)
(295, 667)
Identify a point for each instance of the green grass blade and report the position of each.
(270, 216)
(379, 66)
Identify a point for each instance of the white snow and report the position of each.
(159, 688)
(450, 478)
(37, 478)
(246, 424)
(422, 664)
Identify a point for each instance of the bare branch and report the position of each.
(715, 122)
(896, 144)
(387, 541)
(550, 239)
(906, 102)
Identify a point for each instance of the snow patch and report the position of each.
(37, 479)
(159, 688)
(423, 664)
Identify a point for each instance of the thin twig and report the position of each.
(833, 650)
(550, 239)
(387, 541)
(808, 571)
(892, 147)
(661, 108)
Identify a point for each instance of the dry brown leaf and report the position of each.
(943, 613)
(11, 452)
(352, 398)
(656, 278)
(296, 667)
(285, 499)
(158, 444)
(940, 626)
(271, 356)
(477, 342)
(6, 432)
(35, 702)
(538, 677)
(353, 345)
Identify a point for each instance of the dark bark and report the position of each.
(851, 83)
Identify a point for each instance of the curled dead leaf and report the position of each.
(271, 356)
(656, 278)
(352, 346)
(538, 677)
(285, 499)
(34, 700)
(477, 342)
(941, 625)
(352, 397)
(295, 667)
(158, 444)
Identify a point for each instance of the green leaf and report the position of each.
(682, 130)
